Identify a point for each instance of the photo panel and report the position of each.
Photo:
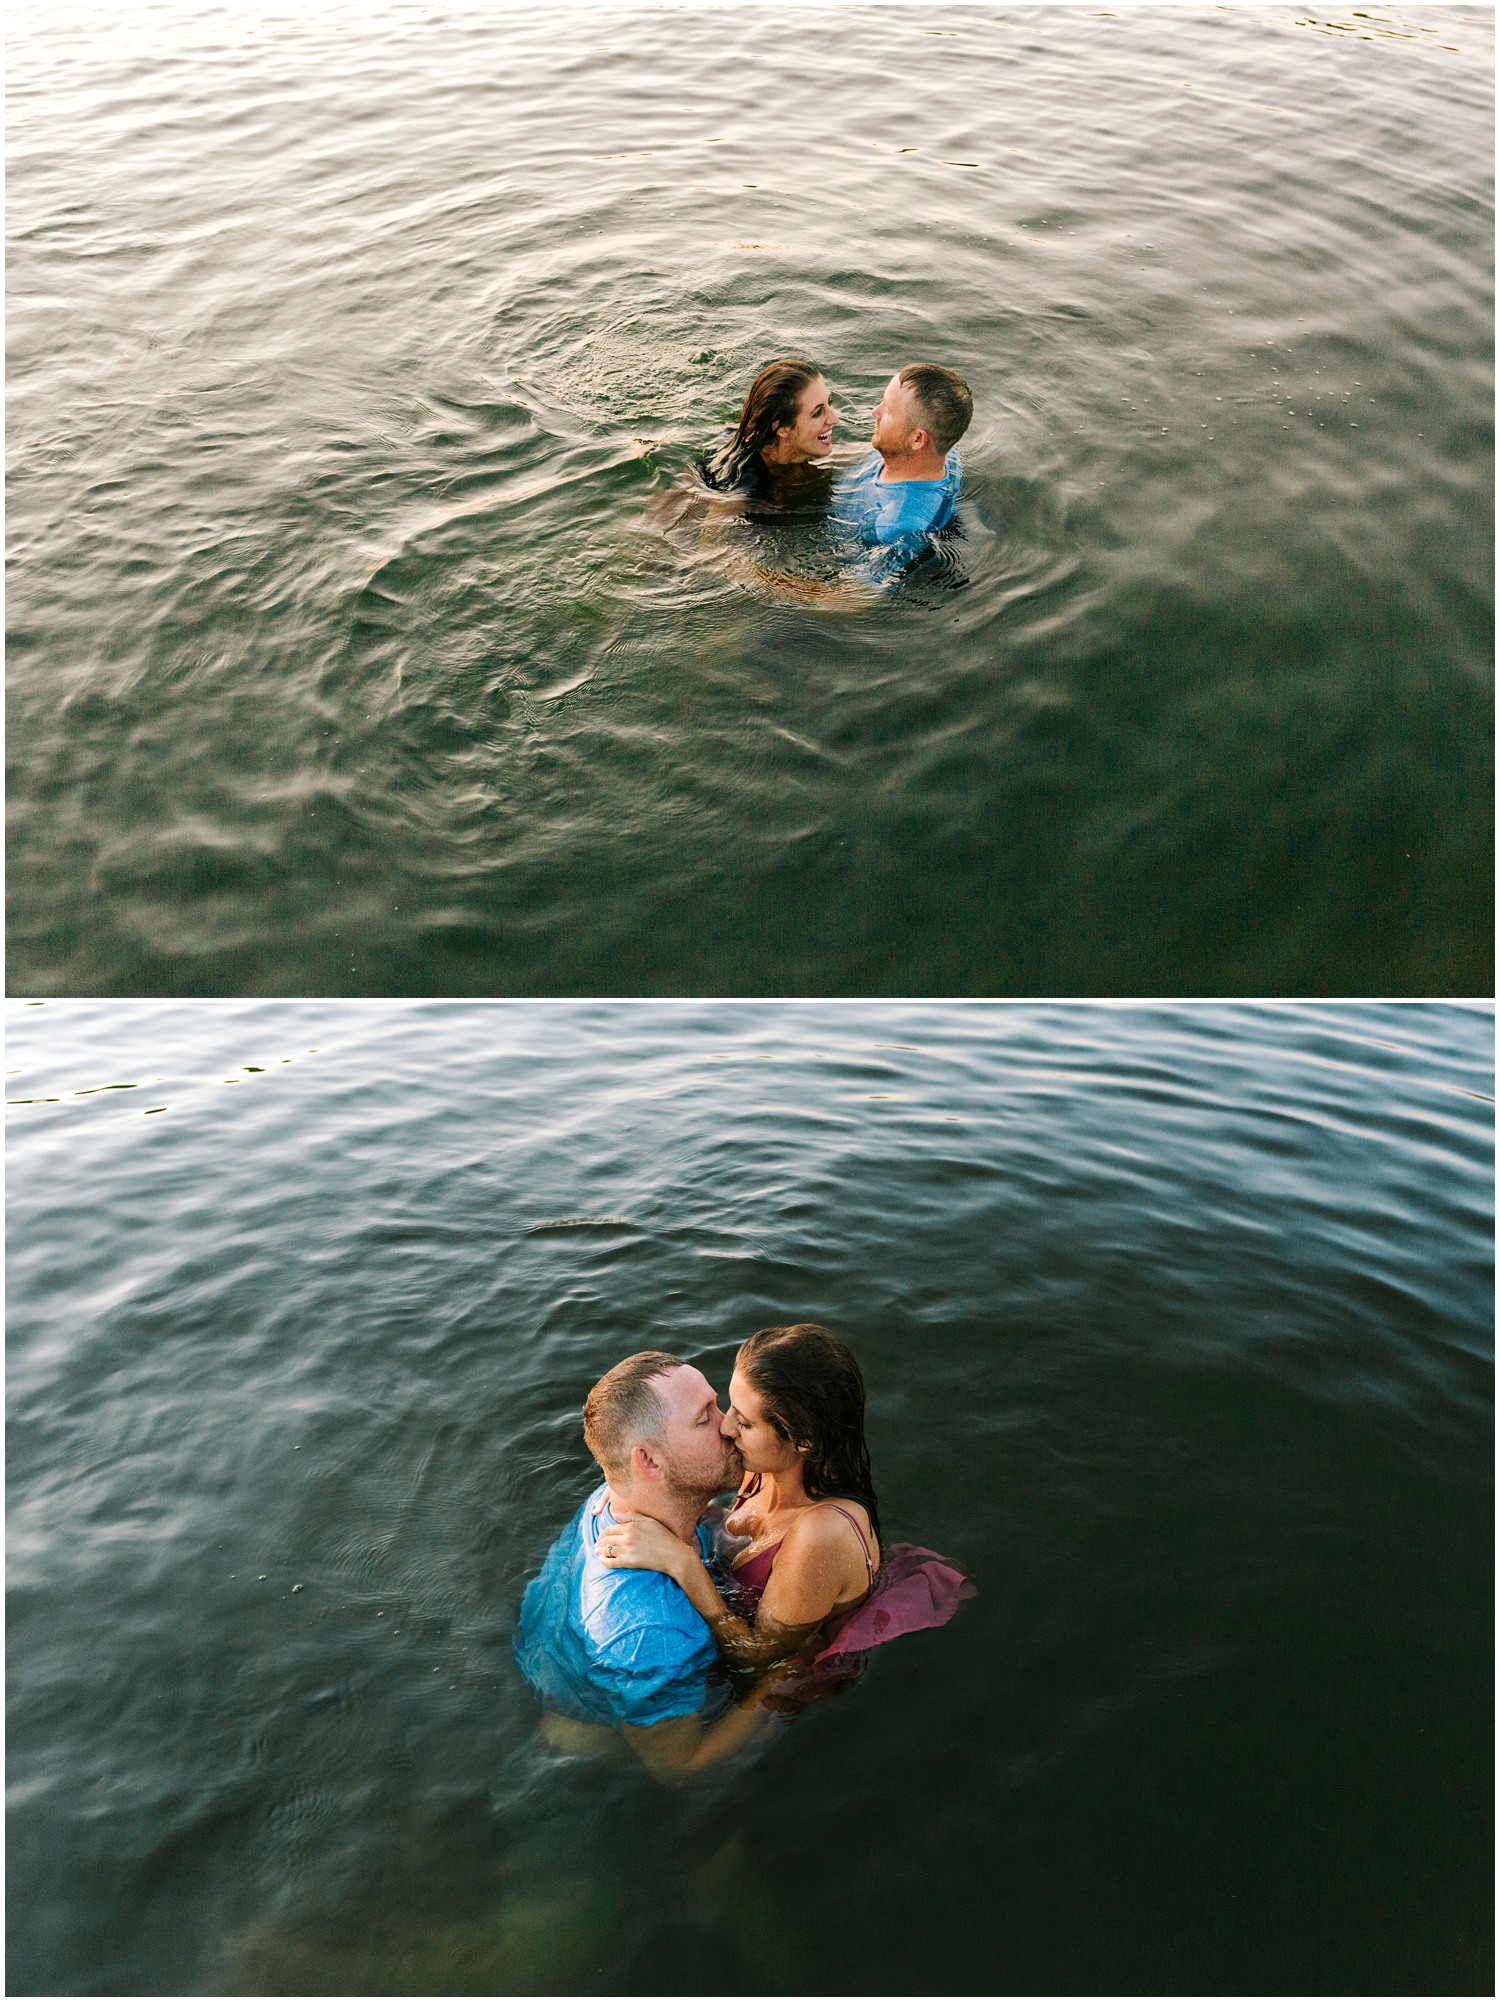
(386, 617)
(1175, 1327)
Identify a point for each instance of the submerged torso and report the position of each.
(886, 512)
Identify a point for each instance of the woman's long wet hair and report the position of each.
(814, 1398)
(775, 398)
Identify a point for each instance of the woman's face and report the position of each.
(811, 436)
(746, 1426)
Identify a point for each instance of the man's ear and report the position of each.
(644, 1463)
(920, 440)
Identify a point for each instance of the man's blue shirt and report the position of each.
(891, 518)
(611, 1647)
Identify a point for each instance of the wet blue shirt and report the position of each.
(891, 519)
(611, 1647)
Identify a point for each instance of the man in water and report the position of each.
(621, 1651)
(906, 489)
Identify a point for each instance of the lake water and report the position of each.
(1178, 1329)
(349, 347)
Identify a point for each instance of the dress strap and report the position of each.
(864, 1546)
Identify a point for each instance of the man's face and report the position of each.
(696, 1456)
(895, 426)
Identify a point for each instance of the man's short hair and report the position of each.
(624, 1408)
(942, 399)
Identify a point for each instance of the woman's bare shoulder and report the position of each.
(822, 1526)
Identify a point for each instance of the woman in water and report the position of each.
(769, 463)
(785, 427)
(806, 1507)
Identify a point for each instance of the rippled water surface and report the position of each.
(1178, 1330)
(349, 349)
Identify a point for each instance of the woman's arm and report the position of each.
(846, 594)
(807, 1582)
(683, 1746)
(643, 1544)
(718, 535)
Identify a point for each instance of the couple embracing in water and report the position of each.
(682, 1624)
(881, 512)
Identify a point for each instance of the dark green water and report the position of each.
(348, 348)
(1178, 1325)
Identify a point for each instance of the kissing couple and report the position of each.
(682, 1622)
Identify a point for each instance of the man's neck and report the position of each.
(676, 1512)
(926, 465)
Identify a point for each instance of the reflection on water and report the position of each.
(350, 352)
(1178, 1327)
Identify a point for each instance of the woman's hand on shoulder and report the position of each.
(641, 1543)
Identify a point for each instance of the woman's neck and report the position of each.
(794, 464)
(783, 1491)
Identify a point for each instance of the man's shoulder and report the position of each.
(861, 469)
(929, 504)
(947, 480)
(635, 1618)
(641, 1620)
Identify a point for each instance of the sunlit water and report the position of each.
(1178, 1331)
(349, 347)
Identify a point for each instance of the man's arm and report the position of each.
(679, 1747)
